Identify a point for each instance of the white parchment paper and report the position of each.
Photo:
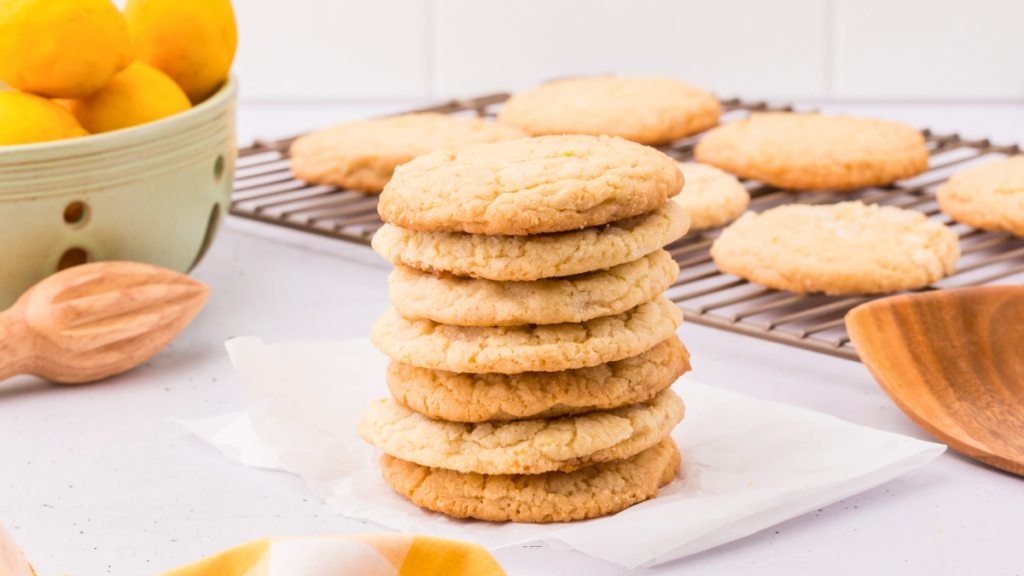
(747, 464)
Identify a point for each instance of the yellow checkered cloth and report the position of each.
(353, 555)
(12, 561)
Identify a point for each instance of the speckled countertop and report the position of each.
(99, 479)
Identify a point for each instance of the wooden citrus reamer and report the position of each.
(95, 320)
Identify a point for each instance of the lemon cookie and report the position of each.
(814, 152)
(521, 446)
(521, 258)
(363, 155)
(711, 197)
(495, 397)
(530, 348)
(529, 186)
(646, 110)
(590, 492)
(477, 302)
(990, 197)
(846, 248)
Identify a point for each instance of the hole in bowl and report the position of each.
(211, 231)
(76, 214)
(218, 168)
(72, 257)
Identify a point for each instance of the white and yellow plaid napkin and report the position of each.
(353, 555)
(12, 561)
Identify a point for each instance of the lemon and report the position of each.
(138, 95)
(62, 48)
(192, 41)
(27, 118)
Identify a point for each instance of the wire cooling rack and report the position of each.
(265, 190)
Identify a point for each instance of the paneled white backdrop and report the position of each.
(360, 50)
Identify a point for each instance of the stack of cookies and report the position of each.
(532, 350)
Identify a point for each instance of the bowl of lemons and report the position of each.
(116, 133)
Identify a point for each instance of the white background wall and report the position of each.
(876, 50)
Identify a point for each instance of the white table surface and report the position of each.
(99, 479)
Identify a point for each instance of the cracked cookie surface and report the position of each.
(989, 197)
(363, 155)
(529, 186)
(815, 152)
(522, 446)
(461, 397)
(845, 248)
(711, 197)
(589, 492)
(478, 302)
(530, 348)
(649, 110)
(522, 258)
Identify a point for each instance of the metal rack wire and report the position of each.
(265, 190)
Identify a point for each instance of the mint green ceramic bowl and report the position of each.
(154, 193)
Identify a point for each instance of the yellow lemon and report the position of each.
(62, 48)
(192, 41)
(27, 118)
(138, 95)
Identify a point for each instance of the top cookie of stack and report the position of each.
(528, 333)
(529, 209)
(529, 186)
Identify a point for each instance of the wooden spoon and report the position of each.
(952, 360)
(95, 320)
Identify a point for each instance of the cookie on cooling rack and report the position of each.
(711, 197)
(529, 186)
(651, 111)
(363, 155)
(845, 248)
(498, 397)
(815, 152)
(530, 348)
(588, 492)
(522, 446)
(989, 197)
